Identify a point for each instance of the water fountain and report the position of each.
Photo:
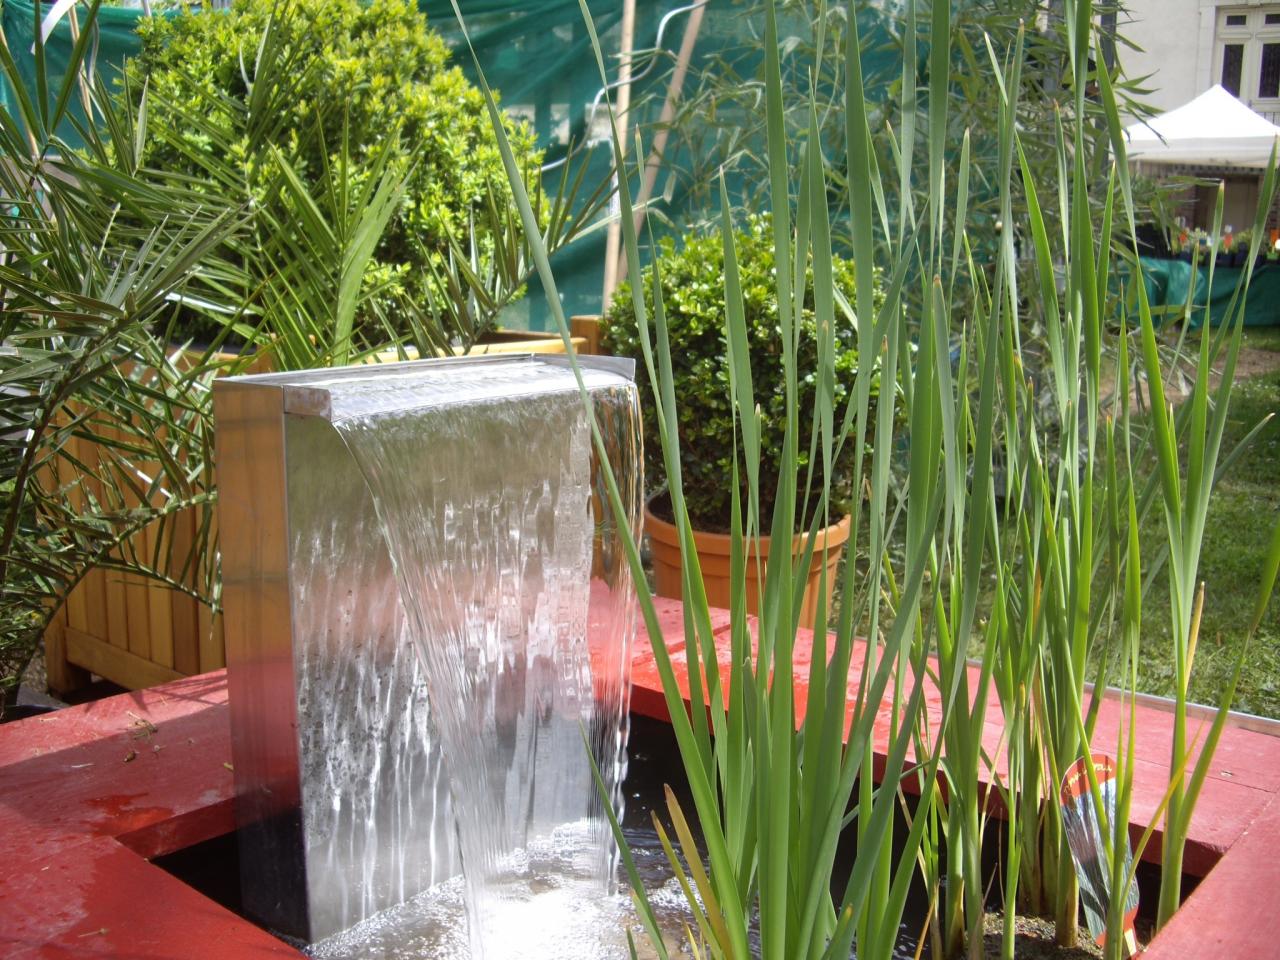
(412, 556)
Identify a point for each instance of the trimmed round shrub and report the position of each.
(374, 72)
(693, 298)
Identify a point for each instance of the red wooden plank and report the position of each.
(152, 766)
(1242, 757)
(1234, 911)
(75, 725)
(1245, 774)
(97, 899)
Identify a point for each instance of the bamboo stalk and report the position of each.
(620, 120)
(658, 152)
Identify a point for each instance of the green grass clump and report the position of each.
(1262, 338)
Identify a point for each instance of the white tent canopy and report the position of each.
(1213, 130)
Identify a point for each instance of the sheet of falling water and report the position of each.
(482, 480)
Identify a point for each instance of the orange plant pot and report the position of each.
(713, 558)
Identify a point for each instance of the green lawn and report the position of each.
(1243, 510)
(1263, 338)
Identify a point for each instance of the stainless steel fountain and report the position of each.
(349, 745)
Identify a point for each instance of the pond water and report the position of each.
(433, 925)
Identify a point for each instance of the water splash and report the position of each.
(561, 916)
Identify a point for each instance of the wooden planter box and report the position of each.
(138, 633)
(130, 629)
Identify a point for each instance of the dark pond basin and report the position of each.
(213, 868)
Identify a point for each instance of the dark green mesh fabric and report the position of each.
(538, 55)
(116, 39)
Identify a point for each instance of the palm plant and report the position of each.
(96, 258)
(320, 286)
(108, 262)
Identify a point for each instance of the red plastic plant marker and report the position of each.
(1089, 851)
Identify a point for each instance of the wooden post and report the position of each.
(613, 239)
(654, 160)
(61, 674)
(586, 328)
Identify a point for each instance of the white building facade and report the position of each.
(1189, 45)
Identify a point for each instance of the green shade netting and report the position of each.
(116, 40)
(1169, 290)
(538, 55)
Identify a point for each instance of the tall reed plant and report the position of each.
(1068, 586)
(1013, 530)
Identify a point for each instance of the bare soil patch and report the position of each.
(1035, 940)
(1179, 373)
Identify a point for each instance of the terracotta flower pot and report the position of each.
(713, 557)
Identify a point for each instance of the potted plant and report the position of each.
(693, 293)
(1242, 244)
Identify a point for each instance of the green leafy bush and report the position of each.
(693, 297)
(365, 78)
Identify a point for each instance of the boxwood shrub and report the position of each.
(693, 295)
(376, 73)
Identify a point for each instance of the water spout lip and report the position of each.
(307, 393)
(622, 366)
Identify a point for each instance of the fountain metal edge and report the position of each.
(305, 393)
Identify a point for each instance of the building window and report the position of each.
(1232, 65)
(1269, 75)
(1247, 56)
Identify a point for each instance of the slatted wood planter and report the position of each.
(139, 633)
(126, 628)
(131, 632)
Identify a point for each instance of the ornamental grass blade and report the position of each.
(710, 906)
(696, 758)
(643, 907)
(682, 878)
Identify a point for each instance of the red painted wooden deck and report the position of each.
(89, 793)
